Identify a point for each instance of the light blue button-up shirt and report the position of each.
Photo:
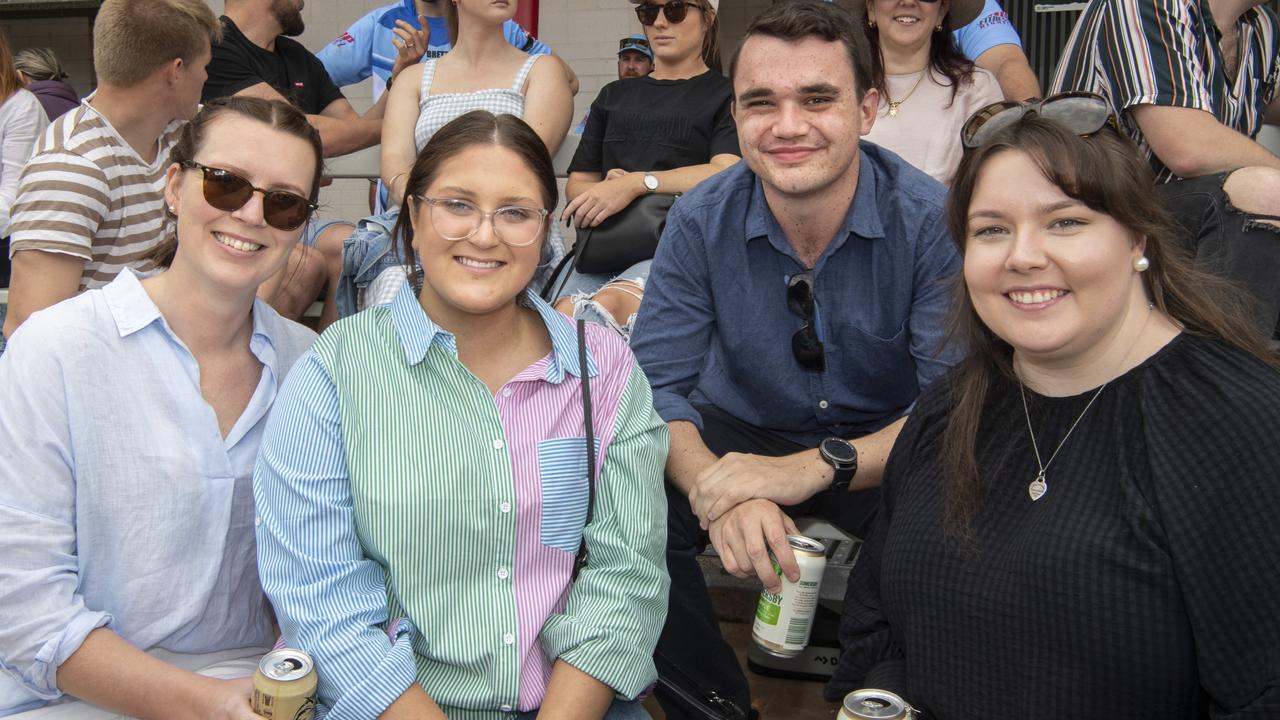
(121, 504)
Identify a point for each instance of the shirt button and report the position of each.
(505, 507)
(257, 521)
(822, 404)
(502, 573)
(497, 444)
(505, 708)
(508, 638)
(506, 392)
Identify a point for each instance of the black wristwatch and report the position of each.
(843, 456)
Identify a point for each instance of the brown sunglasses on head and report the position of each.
(1083, 113)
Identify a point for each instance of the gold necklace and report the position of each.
(893, 106)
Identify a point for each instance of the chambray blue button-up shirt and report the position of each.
(715, 329)
(121, 504)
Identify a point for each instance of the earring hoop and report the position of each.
(1141, 264)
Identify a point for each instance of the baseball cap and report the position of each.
(637, 42)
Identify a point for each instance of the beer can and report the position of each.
(873, 705)
(784, 619)
(284, 687)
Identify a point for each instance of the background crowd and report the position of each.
(1023, 347)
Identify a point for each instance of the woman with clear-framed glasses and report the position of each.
(424, 491)
(1079, 520)
(664, 132)
(130, 424)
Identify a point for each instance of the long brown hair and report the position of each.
(1105, 172)
(273, 113)
(945, 58)
(478, 127)
(711, 39)
(10, 81)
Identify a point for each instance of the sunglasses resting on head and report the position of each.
(1083, 113)
(229, 192)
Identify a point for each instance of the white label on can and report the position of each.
(784, 619)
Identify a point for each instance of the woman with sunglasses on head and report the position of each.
(664, 132)
(424, 486)
(927, 87)
(130, 418)
(1078, 521)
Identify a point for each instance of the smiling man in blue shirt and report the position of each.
(795, 309)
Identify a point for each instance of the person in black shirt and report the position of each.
(257, 57)
(1079, 520)
(664, 132)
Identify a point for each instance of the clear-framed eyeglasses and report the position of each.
(456, 220)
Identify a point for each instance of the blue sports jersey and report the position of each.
(365, 48)
(989, 29)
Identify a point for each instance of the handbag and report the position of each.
(625, 237)
(622, 240)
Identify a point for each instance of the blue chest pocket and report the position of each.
(562, 472)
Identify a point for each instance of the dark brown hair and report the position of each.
(710, 38)
(812, 18)
(1106, 173)
(478, 127)
(275, 114)
(945, 58)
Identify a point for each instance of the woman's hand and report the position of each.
(410, 43)
(227, 699)
(605, 198)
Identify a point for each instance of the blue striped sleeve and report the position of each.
(330, 599)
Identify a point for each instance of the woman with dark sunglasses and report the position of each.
(664, 132)
(927, 86)
(1079, 521)
(130, 419)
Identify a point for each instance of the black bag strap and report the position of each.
(548, 290)
(580, 561)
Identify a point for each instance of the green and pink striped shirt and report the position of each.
(414, 526)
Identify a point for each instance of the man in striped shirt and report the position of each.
(1192, 82)
(91, 200)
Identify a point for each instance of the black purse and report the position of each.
(622, 240)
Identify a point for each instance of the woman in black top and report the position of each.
(664, 132)
(1079, 521)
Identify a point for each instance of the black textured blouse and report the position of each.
(1144, 584)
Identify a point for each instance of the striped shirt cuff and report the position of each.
(383, 683)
